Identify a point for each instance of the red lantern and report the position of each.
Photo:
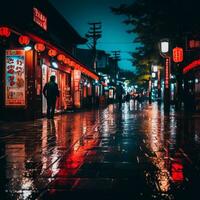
(4, 32)
(39, 47)
(24, 40)
(52, 52)
(60, 57)
(72, 64)
(177, 54)
(66, 60)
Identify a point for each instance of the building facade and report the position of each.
(35, 43)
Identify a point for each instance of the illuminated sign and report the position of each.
(167, 73)
(191, 66)
(15, 78)
(177, 54)
(111, 93)
(39, 18)
(193, 44)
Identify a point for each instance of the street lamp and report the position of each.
(164, 52)
(155, 68)
(178, 58)
(164, 46)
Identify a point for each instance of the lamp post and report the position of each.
(178, 58)
(164, 52)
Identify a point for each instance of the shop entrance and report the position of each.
(63, 81)
(46, 73)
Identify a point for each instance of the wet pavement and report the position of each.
(133, 152)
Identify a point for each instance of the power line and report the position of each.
(94, 33)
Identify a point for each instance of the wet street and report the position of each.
(133, 152)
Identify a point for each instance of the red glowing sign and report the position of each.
(191, 66)
(167, 73)
(177, 54)
(39, 18)
(194, 44)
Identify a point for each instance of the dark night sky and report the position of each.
(114, 37)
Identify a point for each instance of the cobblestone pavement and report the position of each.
(133, 152)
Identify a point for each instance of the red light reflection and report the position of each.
(177, 171)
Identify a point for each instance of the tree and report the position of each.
(153, 20)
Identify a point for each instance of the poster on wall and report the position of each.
(111, 93)
(15, 78)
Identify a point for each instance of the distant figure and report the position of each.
(128, 96)
(51, 92)
(119, 94)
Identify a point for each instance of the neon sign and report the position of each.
(39, 19)
(191, 66)
(194, 44)
(167, 63)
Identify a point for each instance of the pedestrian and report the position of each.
(119, 94)
(51, 93)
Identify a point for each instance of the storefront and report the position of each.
(30, 55)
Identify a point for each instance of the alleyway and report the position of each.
(136, 152)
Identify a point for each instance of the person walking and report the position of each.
(51, 93)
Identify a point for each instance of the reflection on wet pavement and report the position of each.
(136, 152)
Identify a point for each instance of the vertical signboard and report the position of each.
(40, 19)
(15, 78)
(167, 72)
(77, 97)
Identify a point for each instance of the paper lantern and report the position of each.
(177, 54)
(61, 57)
(4, 32)
(66, 60)
(52, 53)
(72, 64)
(24, 40)
(39, 47)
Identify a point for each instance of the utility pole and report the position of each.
(94, 33)
(116, 57)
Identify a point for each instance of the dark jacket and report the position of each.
(50, 90)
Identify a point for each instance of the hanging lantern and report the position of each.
(52, 53)
(4, 32)
(77, 66)
(61, 57)
(72, 64)
(39, 47)
(177, 54)
(24, 40)
(66, 60)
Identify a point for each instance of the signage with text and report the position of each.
(167, 72)
(39, 18)
(15, 78)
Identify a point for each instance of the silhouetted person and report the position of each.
(128, 96)
(51, 92)
(119, 94)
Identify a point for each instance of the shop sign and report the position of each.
(111, 93)
(77, 75)
(192, 65)
(15, 78)
(193, 44)
(39, 18)
(167, 72)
